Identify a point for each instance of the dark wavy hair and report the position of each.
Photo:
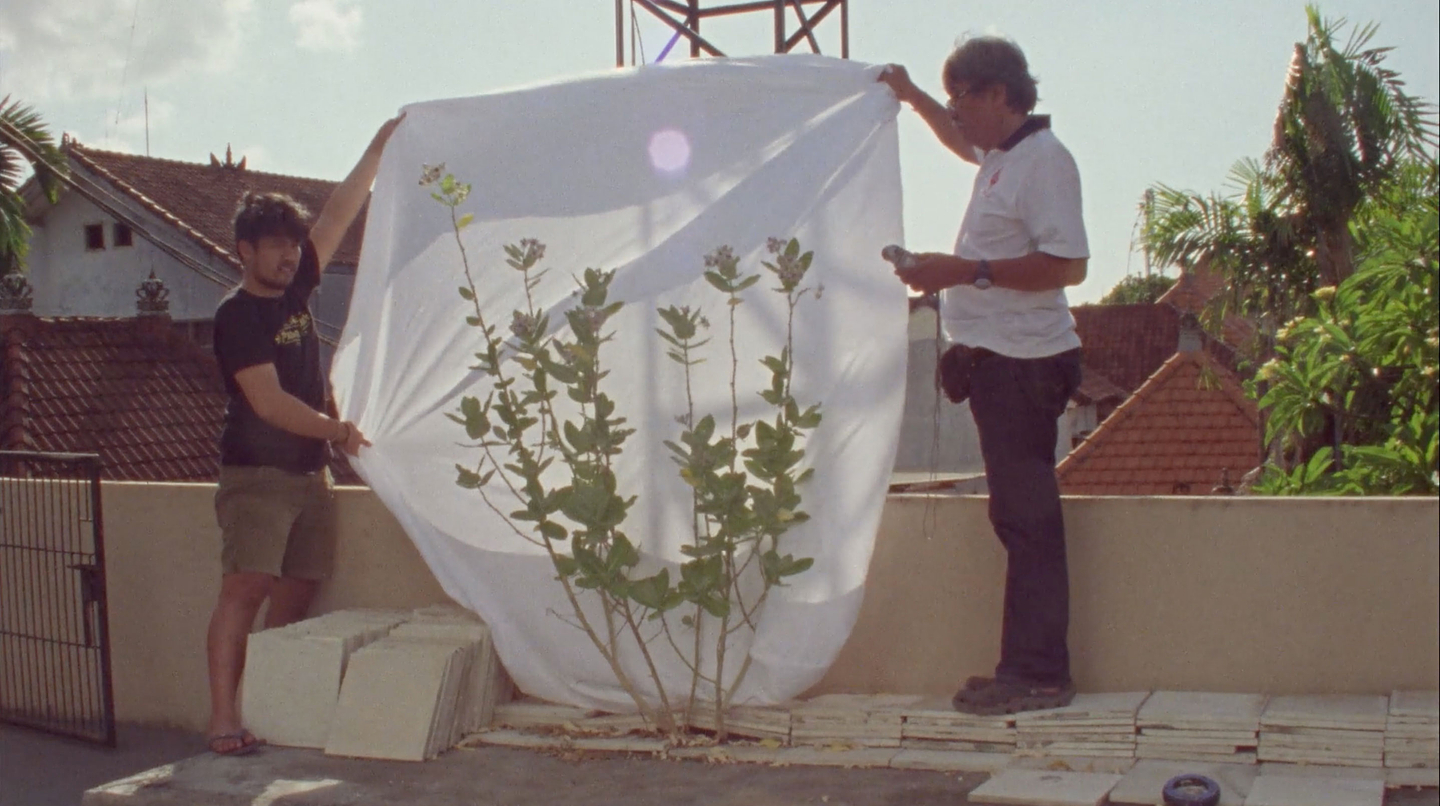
(264, 214)
(984, 61)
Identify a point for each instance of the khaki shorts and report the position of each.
(276, 522)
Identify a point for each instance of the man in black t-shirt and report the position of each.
(274, 504)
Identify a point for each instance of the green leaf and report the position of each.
(465, 221)
(466, 293)
(566, 566)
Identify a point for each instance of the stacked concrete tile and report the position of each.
(526, 714)
(1341, 730)
(293, 674)
(414, 689)
(934, 724)
(1092, 726)
(313, 682)
(1412, 730)
(850, 719)
(1200, 726)
(751, 722)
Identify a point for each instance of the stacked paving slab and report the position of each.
(850, 719)
(1200, 726)
(1339, 730)
(402, 685)
(1412, 730)
(293, 674)
(934, 724)
(1092, 726)
(752, 722)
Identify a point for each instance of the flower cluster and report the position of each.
(534, 251)
(430, 174)
(525, 326)
(721, 257)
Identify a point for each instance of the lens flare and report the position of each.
(669, 151)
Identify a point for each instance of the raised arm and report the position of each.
(930, 110)
(349, 196)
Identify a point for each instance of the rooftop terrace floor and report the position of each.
(41, 770)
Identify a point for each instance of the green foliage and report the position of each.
(1328, 247)
(745, 482)
(24, 142)
(1359, 375)
(1345, 128)
(1136, 289)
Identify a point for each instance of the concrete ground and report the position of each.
(41, 770)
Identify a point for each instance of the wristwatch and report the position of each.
(984, 277)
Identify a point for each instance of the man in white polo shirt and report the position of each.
(1003, 304)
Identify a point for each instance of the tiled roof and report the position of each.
(199, 200)
(1126, 343)
(1181, 432)
(1195, 289)
(149, 401)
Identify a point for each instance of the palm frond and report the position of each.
(24, 139)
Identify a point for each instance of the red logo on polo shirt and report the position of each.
(989, 186)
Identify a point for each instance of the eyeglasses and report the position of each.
(956, 98)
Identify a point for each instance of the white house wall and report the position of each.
(69, 280)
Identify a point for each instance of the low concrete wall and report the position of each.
(1268, 595)
(163, 557)
(1217, 594)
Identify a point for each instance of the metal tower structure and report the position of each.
(684, 18)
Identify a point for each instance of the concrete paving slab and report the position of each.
(1044, 788)
(1145, 782)
(1202, 710)
(1354, 711)
(1399, 776)
(1285, 790)
(1422, 704)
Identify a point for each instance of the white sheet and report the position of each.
(643, 171)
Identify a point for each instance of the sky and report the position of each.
(1141, 91)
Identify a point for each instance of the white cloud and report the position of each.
(327, 25)
(83, 48)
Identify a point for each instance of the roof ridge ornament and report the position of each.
(16, 294)
(229, 162)
(152, 298)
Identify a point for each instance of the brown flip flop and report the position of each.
(248, 743)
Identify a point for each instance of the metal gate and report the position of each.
(54, 629)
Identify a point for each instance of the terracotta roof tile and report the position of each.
(1126, 343)
(1181, 431)
(151, 403)
(199, 200)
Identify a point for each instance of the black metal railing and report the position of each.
(54, 627)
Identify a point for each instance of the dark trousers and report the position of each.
(1015, 403)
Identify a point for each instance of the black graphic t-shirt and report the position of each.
(250, 331)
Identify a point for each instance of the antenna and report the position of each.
(147, 121)
(684, 18)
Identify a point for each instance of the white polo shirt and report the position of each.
(1026, 199)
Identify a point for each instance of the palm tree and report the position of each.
(1344, 127)
(25, 143)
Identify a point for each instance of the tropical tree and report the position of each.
(1344, 127)
(1351, 394)
(25, 145)
(1138, 289)
(1344, 181)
